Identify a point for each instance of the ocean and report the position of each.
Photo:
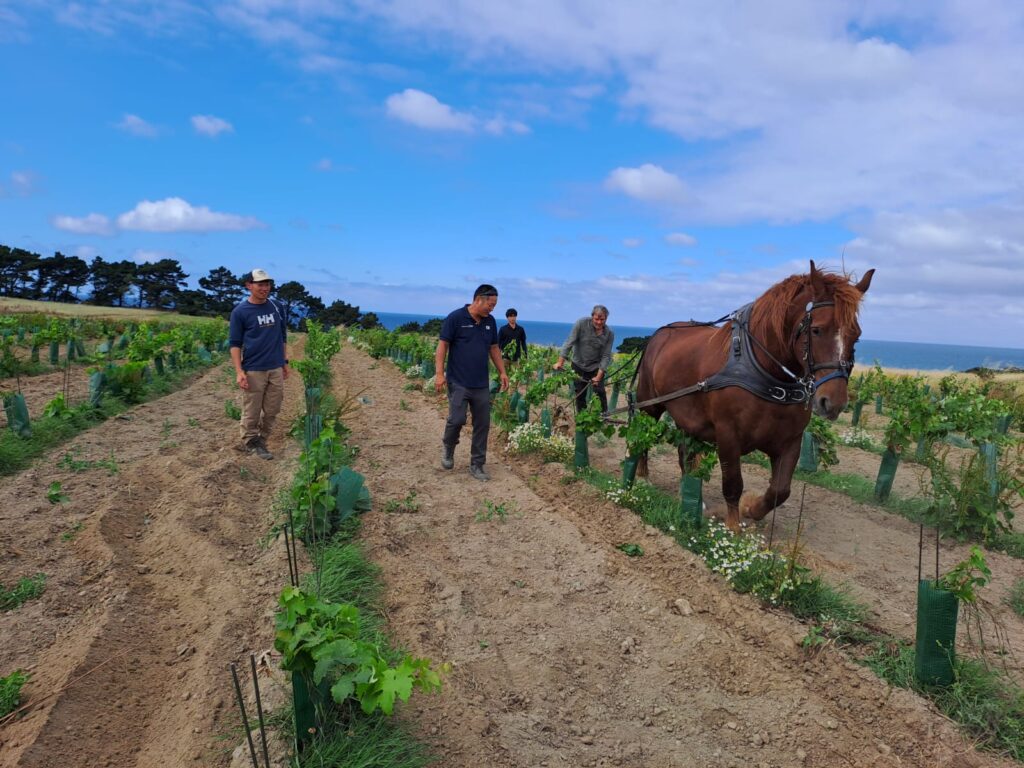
(891, 354)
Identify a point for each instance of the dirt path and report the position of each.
(568, 653)
(156, 580)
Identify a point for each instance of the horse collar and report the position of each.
(743, 370)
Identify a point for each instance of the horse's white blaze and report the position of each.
(840, 346)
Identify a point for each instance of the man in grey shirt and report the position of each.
(590, 343)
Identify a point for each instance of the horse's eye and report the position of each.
(816, 330)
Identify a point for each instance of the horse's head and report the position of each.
(825, 335)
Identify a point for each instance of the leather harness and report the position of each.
(743, 370)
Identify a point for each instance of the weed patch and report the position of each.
(494, 511)
(10, 691)
(1016, 598)
(27, 588)
(408, 504)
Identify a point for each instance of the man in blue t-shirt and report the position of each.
(469, 338)
(258, 336)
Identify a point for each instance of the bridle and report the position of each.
(839, 368)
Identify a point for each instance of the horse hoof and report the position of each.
(748, 501)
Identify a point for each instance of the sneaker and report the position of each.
(259, 447)
(448, 457)
(478, 473)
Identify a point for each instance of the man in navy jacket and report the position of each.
(469, 338)
(258, 339)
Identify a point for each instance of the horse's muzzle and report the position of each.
(828, 407)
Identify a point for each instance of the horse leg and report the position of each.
(756, 507)
(732, 484)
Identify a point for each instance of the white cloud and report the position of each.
(681, 239)
(425, 111)
(20, 184)
(321, 63)
(176, 215)
(499, 126)
(650, 183)
(208, 125)
(23, 182)
(324, 165)
(136, 126)
(632, 242)
(86, 252)
(150, 256)
(91, 224)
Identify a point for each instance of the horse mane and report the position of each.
(769, 316)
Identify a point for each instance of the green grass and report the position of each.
(1016, 598)
(28, 588)
(986, 704)
(367, 742)
(10, 691)
(346, 576)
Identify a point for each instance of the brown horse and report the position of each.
(750, 384)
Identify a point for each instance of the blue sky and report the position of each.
(668, 159)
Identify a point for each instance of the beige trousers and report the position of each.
(261, 403)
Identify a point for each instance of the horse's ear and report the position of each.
(817, 284)
(865, 281)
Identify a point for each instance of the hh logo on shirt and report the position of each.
(266, 319)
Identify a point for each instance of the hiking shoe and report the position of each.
(259, 447)
(245, 447)
(448, 457)
(478, 473)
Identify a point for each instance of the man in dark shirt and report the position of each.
(257, 337)
(590, 346)
(469, 338)
(512, 339)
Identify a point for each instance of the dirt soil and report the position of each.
(565, 651)
(156, 580)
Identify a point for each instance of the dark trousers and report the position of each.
(583, 378)
(461, 399)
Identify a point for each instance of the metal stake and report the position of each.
(920, 549)
(259, 709)
(245, 719)
(295, 548)
(288, 554)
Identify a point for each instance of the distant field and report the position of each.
(934, 377)
(12, 306)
